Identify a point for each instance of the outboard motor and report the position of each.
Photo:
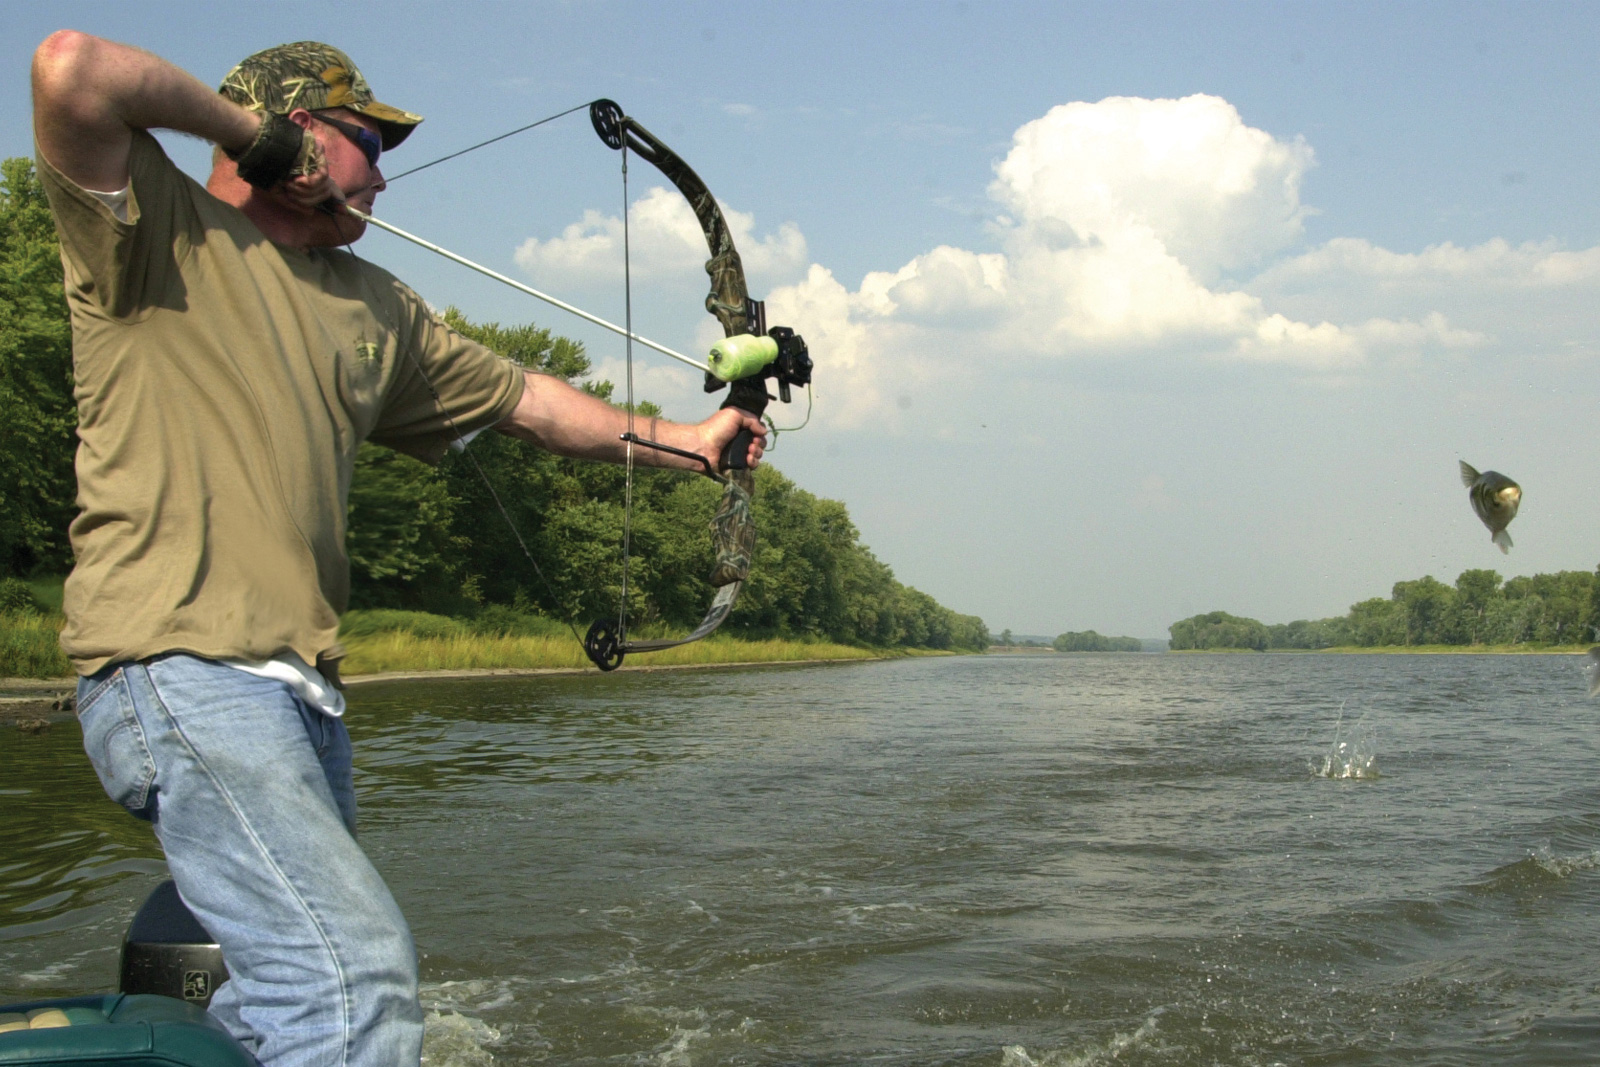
(167, 951)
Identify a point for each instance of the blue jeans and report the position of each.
(250, 793)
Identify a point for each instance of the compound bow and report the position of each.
(733, 529)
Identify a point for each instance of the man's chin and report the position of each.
(342, 229)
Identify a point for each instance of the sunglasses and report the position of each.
(371, 144)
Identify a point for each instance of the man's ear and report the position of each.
(301, 118)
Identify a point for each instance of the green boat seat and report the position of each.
(116, 1030)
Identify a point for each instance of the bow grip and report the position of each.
(749, 395)
(737, 455)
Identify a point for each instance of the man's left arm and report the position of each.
(569, 422)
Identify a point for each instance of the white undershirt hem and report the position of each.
(299, 676)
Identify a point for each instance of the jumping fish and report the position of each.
(1495, 499)
(1591, 671)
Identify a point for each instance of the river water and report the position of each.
(1001, 860)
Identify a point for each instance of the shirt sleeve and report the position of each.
(125, 269)
(446, 386)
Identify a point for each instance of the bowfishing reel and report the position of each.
(785, 358)
(744, 363)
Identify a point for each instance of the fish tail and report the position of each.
(1503, 539)
(1468, 474)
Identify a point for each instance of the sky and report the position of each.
(1120, 312)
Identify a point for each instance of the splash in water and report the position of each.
(1017, 1055)
(1351, 755)
(1563, 866)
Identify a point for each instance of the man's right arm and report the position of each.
(89, 95)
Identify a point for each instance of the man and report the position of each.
(230, 357)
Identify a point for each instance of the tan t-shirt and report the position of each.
(224, 384)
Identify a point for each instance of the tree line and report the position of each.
(1090, 641)
(1480, 609)
(430, 538)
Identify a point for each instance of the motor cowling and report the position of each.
(166, 951)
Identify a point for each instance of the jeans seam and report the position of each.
(266, 854)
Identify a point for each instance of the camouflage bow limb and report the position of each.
(733, 528)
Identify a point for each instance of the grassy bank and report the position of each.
(399, 651)
(1452, 650)
(30, 647)
(383, 641)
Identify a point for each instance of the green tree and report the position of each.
(1307, 633)
(37, 415)
(1565, 599)
(1425, 604)
(1475, 591)
(402, 552)
(1377, 622)
(1218, 629)
(1591, 621)
(1090, 641)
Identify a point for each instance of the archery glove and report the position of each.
(280, 151)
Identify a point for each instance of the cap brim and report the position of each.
(394, 125)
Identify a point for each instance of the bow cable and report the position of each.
(490, 141)
(481, 144)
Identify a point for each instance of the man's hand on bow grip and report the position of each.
(723, 426)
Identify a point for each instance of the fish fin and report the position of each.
(1503, 539)
(1468, 474)
(1591, 671)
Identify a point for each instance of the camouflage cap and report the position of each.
(313, 76)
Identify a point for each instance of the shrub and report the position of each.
(390, 620)
(16, 598)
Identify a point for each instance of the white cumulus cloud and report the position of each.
(1117, 223)
(664, 240)
(1185, 176)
